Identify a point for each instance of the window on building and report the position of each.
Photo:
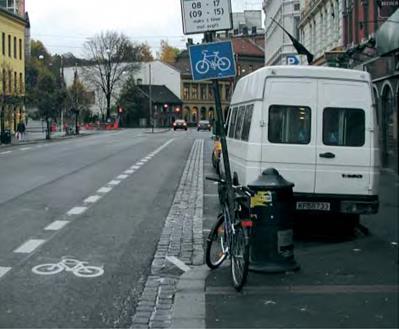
(3, 43)
(194, 91)
(15, 83)
(227, 90)
(9, 45)
(20, 49)
(343, 127)
(4, 81)
(21, 83)
(186, 91)
(10, 82)
(210, 92)
(15, 47)
(289, 124)
(296, 24)
(203, 91)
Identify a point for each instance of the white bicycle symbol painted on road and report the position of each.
(78, 268)
(212, 61)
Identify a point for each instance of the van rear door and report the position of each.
(288, 138)
(343, 155)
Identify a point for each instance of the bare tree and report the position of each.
(111, 56)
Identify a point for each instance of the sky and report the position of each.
(64, 25)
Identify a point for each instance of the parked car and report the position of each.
(180, 124)
(322, 135)
(204, 125)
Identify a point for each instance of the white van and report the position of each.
(317, 127)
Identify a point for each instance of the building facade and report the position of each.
(321, 28)
(278, 46)
(12, 71)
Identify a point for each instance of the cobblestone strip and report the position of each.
(182, 238)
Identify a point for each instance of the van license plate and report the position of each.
(321, 206)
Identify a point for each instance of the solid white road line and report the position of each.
(114, 182)
(4, 270)
(104, 190)
(92, 199)
(76, 211)
(29, 246)
(178, 263)
(57, 225)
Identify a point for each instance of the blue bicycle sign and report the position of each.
(212, 61)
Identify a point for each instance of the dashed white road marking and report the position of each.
(129, 172)
(104, 190)
(144, 160)
(92, 199)
(135, 167)
(140, 163)
(76, 211)
(4, 270)
(114, 182)
(6, 152)
(178, 263)
(25, 149)
(122, 177)
(57, 225)
(29, 246)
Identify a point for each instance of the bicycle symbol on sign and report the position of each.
(212, 61)
(78, 268)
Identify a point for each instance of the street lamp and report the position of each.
(108, 82)
(150, 99)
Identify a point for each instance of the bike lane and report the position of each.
(118, 234)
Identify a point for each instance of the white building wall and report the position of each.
(277, 44)
(161, 74)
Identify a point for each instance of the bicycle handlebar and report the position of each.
(236, 188)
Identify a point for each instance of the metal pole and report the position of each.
(150, 100)
(222, 135)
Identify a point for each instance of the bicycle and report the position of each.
(212, 61)
(231, 237)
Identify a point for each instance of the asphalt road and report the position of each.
(62, 200)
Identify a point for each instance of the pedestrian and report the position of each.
(21, 128)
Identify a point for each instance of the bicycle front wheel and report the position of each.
(216, 245)
(239, 257)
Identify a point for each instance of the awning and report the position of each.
(388, 35)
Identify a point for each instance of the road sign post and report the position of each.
(212, 61)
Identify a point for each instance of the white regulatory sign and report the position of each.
(206, 15)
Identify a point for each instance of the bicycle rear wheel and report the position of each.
(239, 257)
(216, 245)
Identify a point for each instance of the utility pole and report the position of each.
(150, 99)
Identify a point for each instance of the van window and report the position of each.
(289, 124)
(232, 123)
(247, 122)
(343, 127)
(240, 120)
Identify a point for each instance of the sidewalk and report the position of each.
(350, 283)
(33, 138)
